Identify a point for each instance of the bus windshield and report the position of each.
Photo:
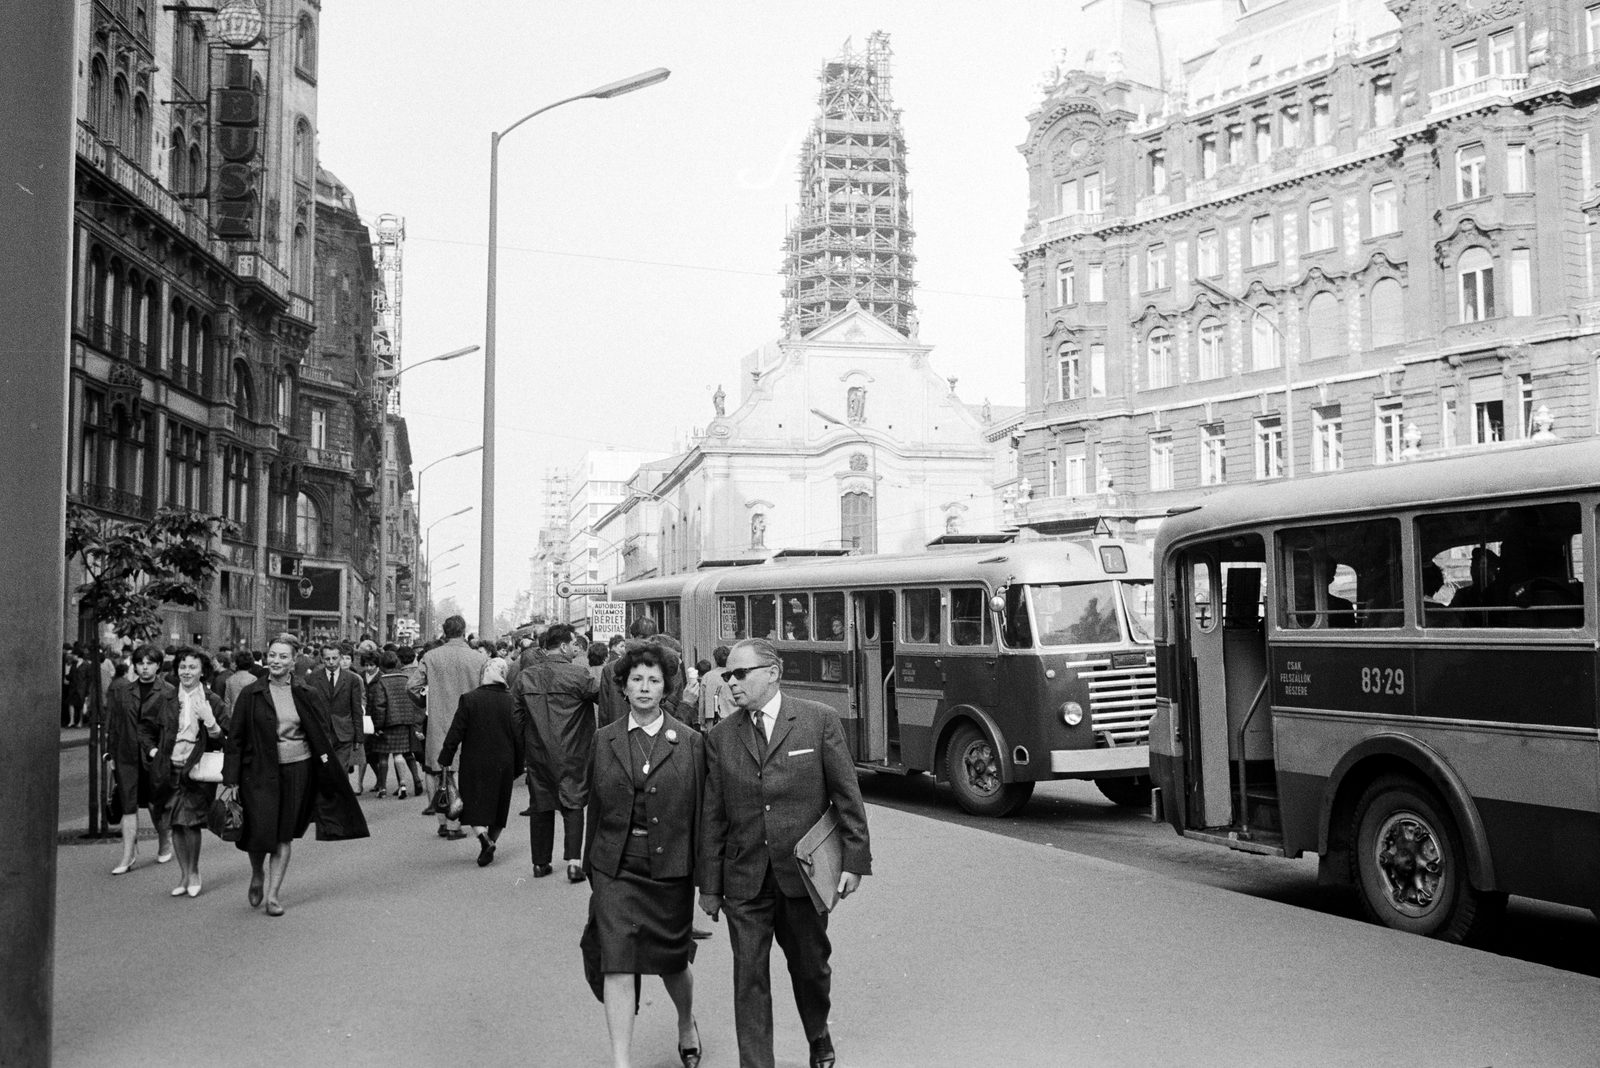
(1139, 606)
(1085, 613)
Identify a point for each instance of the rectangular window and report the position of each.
(1265, 347)
(969, 617)
(1158, 362)
(1208, 259)
(1067, 197)
(1488, 410)
(1074, 479)
(763, 616)
(1213, 455)
(1383, 101)
(1591, 21)
(1261, 129)
(1071, 372)
(1469, 172)
(1066, 285)
(1208, 155)
(1235, 146)
(1521, 282)
(1097, 370)
(1161, 461)
(1097, 283)
(796, 617)
(1210, 339)
(319, 428)
(1261, 243)
(1516, 168)
(1342, 576)
(1319, 225)
(1503, 58)
(1155, 266)
(1464, 63)
(830, 617)
(1385, 205)
(1447, 418)
(1269, 447)
(1321, 120)
(1476, 270)
(1289, 126)
(1389, 432)
(1525, 394)
(1052, 482)
(1158, 171)
(731, 616)
(1327, 440)
(1503, 567)
(1091, 193)
(922, 616)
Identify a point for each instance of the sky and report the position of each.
(640, 237)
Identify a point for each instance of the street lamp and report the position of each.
(1288, 381)
(873, 452)
(446, 552)
(425, 604)
(428, 535)
(486, 534)
(386, 378)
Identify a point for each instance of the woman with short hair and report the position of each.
(281, 756)
(132, 727)
(394, 716)
(189, 727)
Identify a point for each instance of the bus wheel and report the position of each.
(1127, 793)
(973, 768)
(1411, 867)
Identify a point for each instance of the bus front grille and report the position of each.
(1121, 702)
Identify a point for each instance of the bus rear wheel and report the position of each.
(1411, 866)
(973, 768)
(1127, 792)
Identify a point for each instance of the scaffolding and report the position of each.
(852, 238)
(389, 235)
(550, 559)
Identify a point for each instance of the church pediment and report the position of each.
(857, 326)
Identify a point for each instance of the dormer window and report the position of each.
(1208, 155)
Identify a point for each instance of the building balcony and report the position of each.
(323, 376)
(301, 308)
(332, 459)
(112, 499)
(256, 269)
(113, 342)
(1480, 90)
(127, 174)
(1073, 222)
(222, 419)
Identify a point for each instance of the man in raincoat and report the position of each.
(555, 697)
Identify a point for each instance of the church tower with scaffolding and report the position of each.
(852, 239)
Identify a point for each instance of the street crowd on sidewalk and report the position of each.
(260, 745)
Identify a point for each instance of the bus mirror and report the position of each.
(998, 602)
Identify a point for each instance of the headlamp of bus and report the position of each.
(1071, 713)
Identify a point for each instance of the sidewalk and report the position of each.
(966, 948)
(74, 737)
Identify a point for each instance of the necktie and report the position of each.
(761, 733)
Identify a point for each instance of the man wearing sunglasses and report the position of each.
(772, 770)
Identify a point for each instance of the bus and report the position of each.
(1394, 669)
(991, 663)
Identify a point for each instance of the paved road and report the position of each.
(1076, 817)
(967, 947)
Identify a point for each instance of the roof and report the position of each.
(1282, 41)
(1501, 472)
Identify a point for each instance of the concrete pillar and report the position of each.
(36, 192)
(263, 483)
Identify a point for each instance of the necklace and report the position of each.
(644, 754)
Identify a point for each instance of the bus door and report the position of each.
(1205, 697)
(872, 616)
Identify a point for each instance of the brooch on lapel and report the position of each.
(672, 736)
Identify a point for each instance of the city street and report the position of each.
(971, 944)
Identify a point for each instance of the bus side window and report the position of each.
(672, 619)
(830, 617)
(922, 616)
(1341, 576)
(763, 616)
(1200, 593)
(1503, 567)
(1018, 632)
(731, 614)
(797, 617)
(969, 617)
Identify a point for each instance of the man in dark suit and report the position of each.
(341, 690)
(772, 770)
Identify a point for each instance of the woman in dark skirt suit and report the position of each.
(133, 714)
(281, 756)
(485, 731)
(647, 777)
(189, 726)
(396, 716)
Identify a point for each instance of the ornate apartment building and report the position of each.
(1315, 235)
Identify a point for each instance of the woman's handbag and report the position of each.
(208, 768)
(113, 806)
(367, 727)
(456, 803)
(226, 816)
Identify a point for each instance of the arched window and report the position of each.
(197, 170)
(177, 161)
(1325, 334)
(241, 389)
(1475, 269)
(858, 522)
(305, 152)
(1069, 360)
(116, 295)
(198, 56)
(307, 526)
(1265, 347)
(141, 131)
(305, 45)
(1212, 360)
(300, 261)
(97, 96)
(152, 326)
(133, 325)
(205, 351)
(1158, 353)
(1385, 310)
(175, 342)
(118, 133)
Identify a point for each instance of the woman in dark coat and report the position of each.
(394, 716)
(189, 727)
(491, 756)
(646, 782)
(134, 711)
(281, 756)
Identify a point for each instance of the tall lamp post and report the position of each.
(386, 380)
(1288, 381)
(486, 535)
(428, 535)
(425, 605)
(872, 451)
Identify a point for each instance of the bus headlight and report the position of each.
(1072, 713)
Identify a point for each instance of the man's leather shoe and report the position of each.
(822, 1052)
(541, 870)
(699, 933)
(453, 836)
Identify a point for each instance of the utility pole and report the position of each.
(36, 200)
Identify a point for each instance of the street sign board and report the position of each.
(581, 589)
(607, 618)
(406, 630)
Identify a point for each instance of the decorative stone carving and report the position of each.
(758, 530)
(858, 461)
(125, 391)
(1459, 16)
(1080, 143)
(856, 405)
(719, 402)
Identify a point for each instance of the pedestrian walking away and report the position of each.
(555, 712)
(132, 719)
(484, 729)
(771, 773)
(281, 756)
(446, 673)
(647, 774)
(190, 727)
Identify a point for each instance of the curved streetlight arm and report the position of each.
(390, 374)
(452, 456)
(452, 515)
(604, 92)
(445, 552)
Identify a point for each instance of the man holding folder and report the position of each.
(772, 773)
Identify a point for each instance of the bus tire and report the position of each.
(1131, 792)
(973, 768)
(1410, 866)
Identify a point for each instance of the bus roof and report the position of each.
(1502, 472)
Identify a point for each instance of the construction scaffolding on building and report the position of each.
(852, 239)
(388, 240)
(550, 558)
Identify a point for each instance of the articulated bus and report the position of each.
(993, 665)
(1394, 669)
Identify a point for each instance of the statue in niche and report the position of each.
(719, 401)
(758, 531)
(856, 405)
(952, 523)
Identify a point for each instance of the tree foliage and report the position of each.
(133, 569)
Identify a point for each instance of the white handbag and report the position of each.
(366, 725)
(208, 768)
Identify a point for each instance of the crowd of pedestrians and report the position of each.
(673, 784)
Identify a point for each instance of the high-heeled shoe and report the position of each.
(162, 858)
(690, 1056)
(179, 891)
(257, 892)
(194, 887)
(126, 866)
(274, 909)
